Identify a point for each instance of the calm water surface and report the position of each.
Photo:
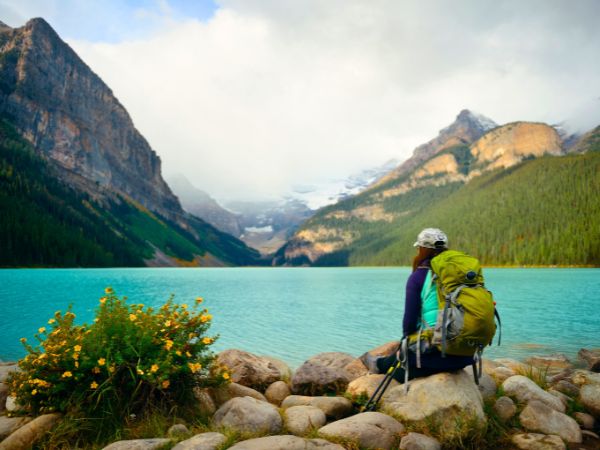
(295, 313)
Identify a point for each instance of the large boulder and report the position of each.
(538, 416)
(246, 414)
(417, 441)
(591, 357)
(6, 369)
(277, 392)
(589, 395)
(285, 373)
(505, 408)
(25, 436)
(443, 399)
(10, 424)
(535, 441)
(299, 420)
(326, 373)
(285, 442)
(139, 444)
(551, 364)
(525, 389)
(333, 407)
(204, 441)
(367, 385)
(225, 393)
(248, 369)
(367, 430)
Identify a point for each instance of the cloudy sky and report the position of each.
(249, 98)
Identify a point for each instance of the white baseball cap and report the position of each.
(432, 238)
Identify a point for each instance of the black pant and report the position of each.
(384, 363)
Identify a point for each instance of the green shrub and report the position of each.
(131, 359)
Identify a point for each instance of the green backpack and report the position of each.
(465, 312)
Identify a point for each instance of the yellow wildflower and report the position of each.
(132, 317)
(77, 364)
(108, 290)
(96, 320)
(42, 356)
(178, 352)
(51, 321)
(103, 300)
(67, 374)
(199, 300)
(207, 341)
(195, 367)
(165, 384)
(101, 361)
(77, 348)
(96, 370)
(168, 323)
(205, 318)
(140, 371)
(225, 376)
(154, 368)
(23, 340)
(111, 369)
(75, 356)
(94, 385)
(34, 392)
(168, 344)
(42, 330)
(192, 335)
(184, 306)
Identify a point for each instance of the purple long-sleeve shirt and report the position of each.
(411, 320)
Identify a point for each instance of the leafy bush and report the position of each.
(130, 360)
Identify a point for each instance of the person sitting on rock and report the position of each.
(430, 242)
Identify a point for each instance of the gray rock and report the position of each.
(551, 364)
(367, 430)
(6, 369)
(333, 407)
(442, 398)
(524, 390)
(417, 441)
(505, 408)
(285, 373)
(10, 424)
(299, 420)
(232, 390)
(500, 374)
(286, 442)
(583, 377)
(246, 414)
(537, 416)
(534, 441)
(11, 404)
(138, 444)
(28, 434)
(248, 369)
(177, 430)
(589, 395)
(487, 385)
(204, 441)
(206, 401)
(325, 373)
(567, 388)
(367, 384)
(591, 357)
(277, 392)
(586, 421)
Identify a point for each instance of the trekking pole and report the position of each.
(389, 376)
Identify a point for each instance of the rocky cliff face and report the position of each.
(467, 128)
(69, 115)
(462, 151)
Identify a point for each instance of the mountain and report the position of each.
(67, 124)
(202, 205)
(485, 184)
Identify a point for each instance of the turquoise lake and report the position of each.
(295, 313)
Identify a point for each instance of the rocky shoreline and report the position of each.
(546, 402)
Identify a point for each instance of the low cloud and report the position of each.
(265, 95)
